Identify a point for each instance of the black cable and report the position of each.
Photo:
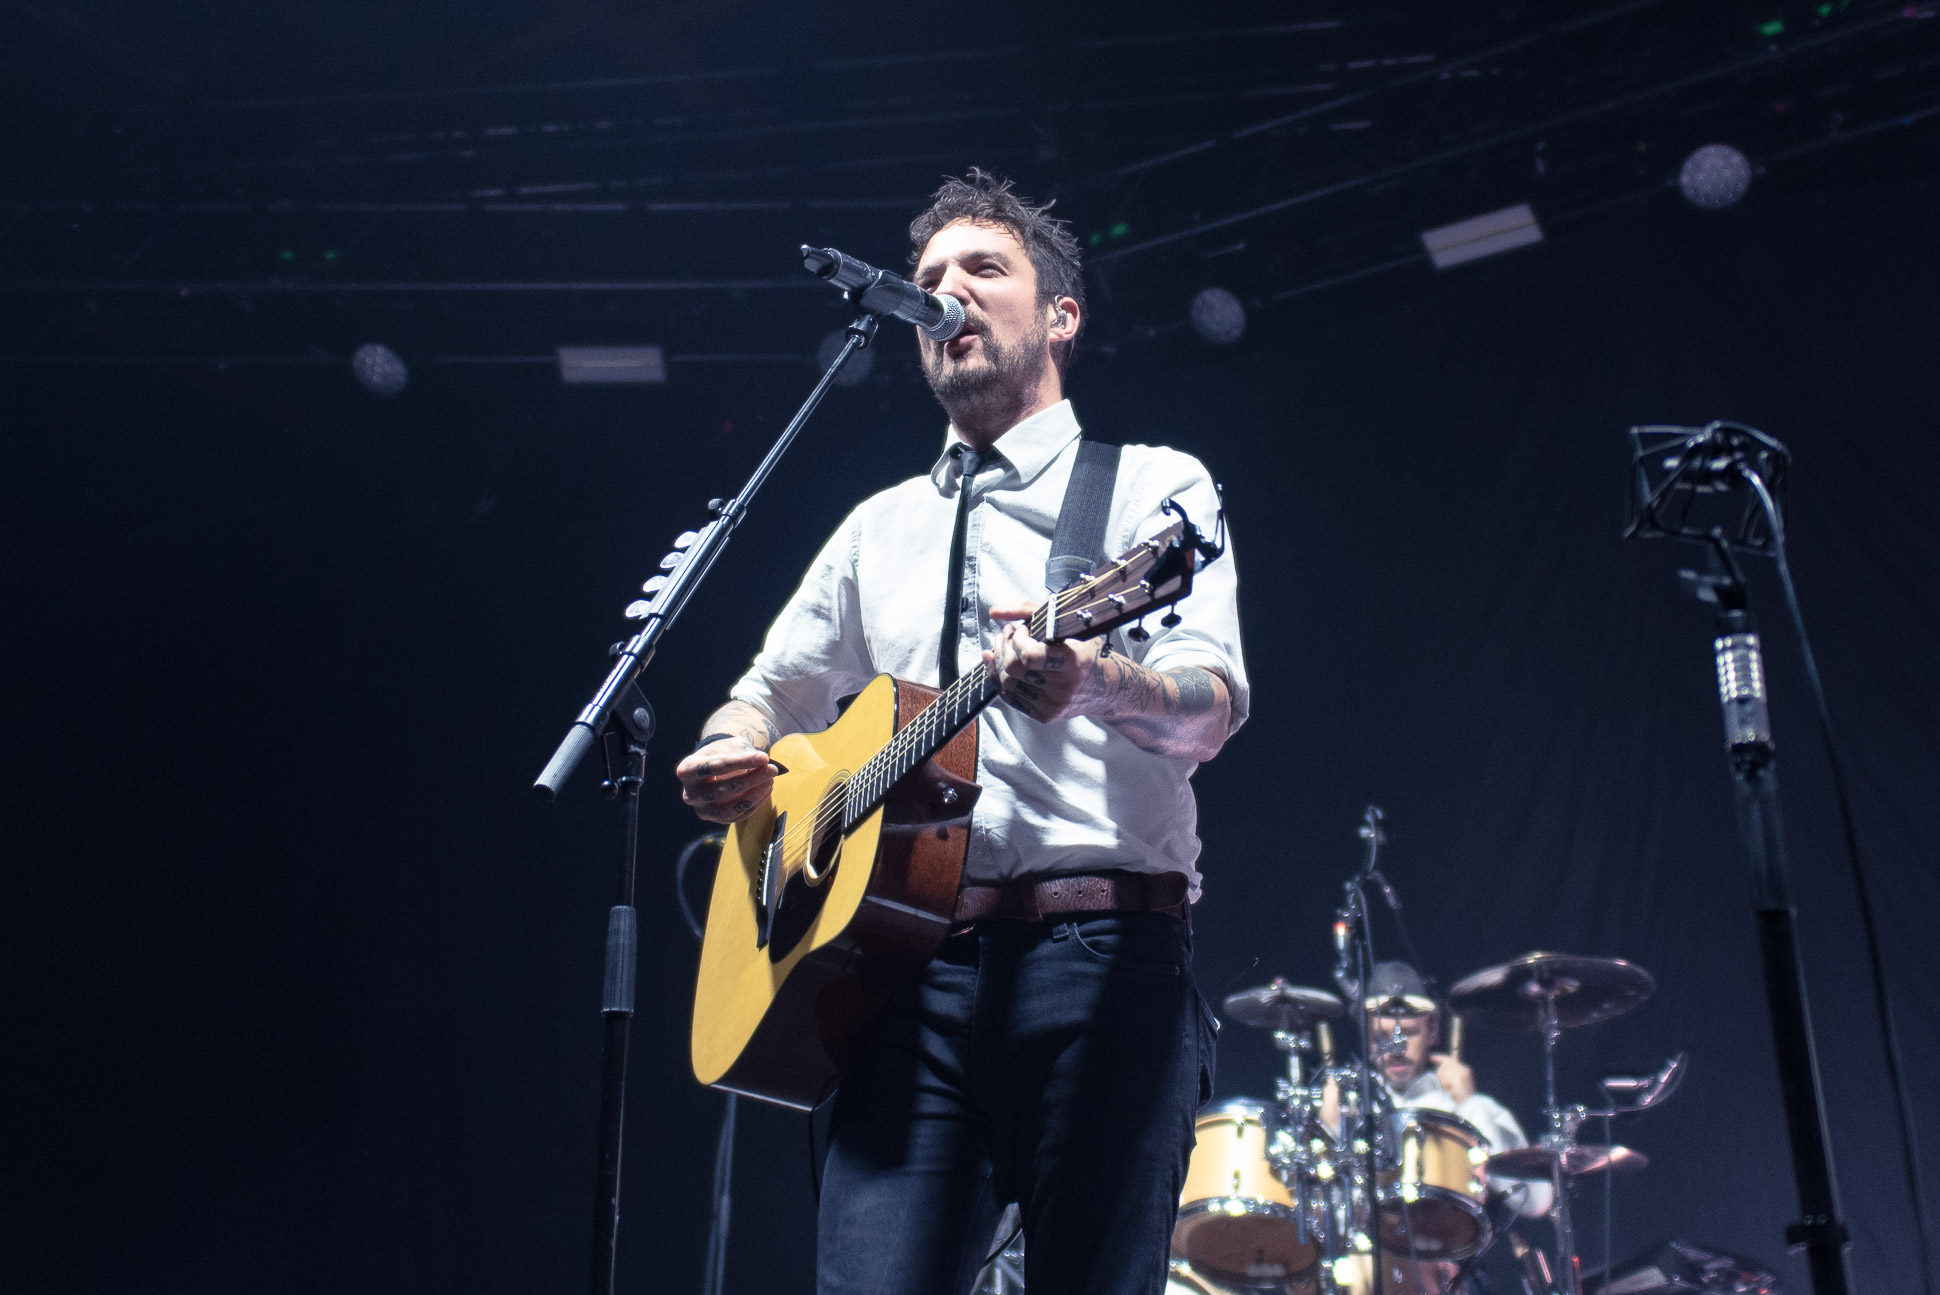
(687, 854)
(1869, 925)
(715, 1282)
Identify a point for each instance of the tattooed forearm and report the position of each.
(744, 721)
(1184, 712)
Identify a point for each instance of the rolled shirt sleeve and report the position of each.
(1207, 634)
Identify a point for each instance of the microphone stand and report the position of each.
(693, 556)
(1703, 467)
(1355, 934)
(1754, 777)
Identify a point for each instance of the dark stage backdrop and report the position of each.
(303, 986)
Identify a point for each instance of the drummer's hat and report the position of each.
(1396, 989)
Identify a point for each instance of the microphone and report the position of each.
(1343, 974)
(883, 293)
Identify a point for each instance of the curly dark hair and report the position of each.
(985, 199)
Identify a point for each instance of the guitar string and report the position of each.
(924, 726)
(922, 730)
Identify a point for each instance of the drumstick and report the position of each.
(1455, 1037)
(1326, 1034)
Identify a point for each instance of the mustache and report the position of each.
(972, 323)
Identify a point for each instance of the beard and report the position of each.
(984, 392)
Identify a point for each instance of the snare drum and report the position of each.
(1432, 1186)
(1238, 1225)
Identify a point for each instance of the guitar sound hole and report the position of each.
(802, 899)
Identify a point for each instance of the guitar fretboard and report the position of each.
(924, 736)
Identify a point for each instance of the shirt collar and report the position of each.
(1028, 448)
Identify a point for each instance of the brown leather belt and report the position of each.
(1026, 900)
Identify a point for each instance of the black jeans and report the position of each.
(1058, 1065)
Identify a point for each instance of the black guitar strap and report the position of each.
(1078, 543)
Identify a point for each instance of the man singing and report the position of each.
(1056, 1050)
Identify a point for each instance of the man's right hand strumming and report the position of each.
(723, 780)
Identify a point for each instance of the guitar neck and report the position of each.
(925, 735)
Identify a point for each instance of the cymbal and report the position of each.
(1536, 1162)
(1583, 990)
(1280, 1006)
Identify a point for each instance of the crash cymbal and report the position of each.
(1583, 990)
(1280, 1006)
(1536, 1162)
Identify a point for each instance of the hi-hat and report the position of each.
(1539, 1162)
(1540, 991)
(1290, 1009)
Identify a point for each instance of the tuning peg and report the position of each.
(685, 539)
(638, 609)
(1138, 633)
(672, 560)
(654, 585)
(1169, 619)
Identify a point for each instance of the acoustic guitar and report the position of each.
(843, 884)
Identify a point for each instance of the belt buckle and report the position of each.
(1032, 911)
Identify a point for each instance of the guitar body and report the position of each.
(794, 973)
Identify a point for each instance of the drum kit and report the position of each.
(1340, 1186)
(1335, 1187)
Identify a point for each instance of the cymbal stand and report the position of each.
(1561, 1134)
(1293, 1144)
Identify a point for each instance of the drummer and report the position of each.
(1418, 1077)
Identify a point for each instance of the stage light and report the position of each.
(1714, 177)
(1480, 236)
(856, 370)
(580, 365)
(1218, 316)
(378, 369)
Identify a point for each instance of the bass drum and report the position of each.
(1182, 1280)
(1238, 1225)
(1354, 1274)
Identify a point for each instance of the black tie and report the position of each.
(972, 462)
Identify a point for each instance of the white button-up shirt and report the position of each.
(1065, 797)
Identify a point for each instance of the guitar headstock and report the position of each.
(1151, 575)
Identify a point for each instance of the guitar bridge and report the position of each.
(767, 899)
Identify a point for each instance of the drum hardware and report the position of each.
(1549, 993)
(1333, 1187)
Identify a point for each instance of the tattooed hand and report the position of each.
(1183, 712)
(1047, 681)
(727, 778)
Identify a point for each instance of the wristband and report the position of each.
(715, 737)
